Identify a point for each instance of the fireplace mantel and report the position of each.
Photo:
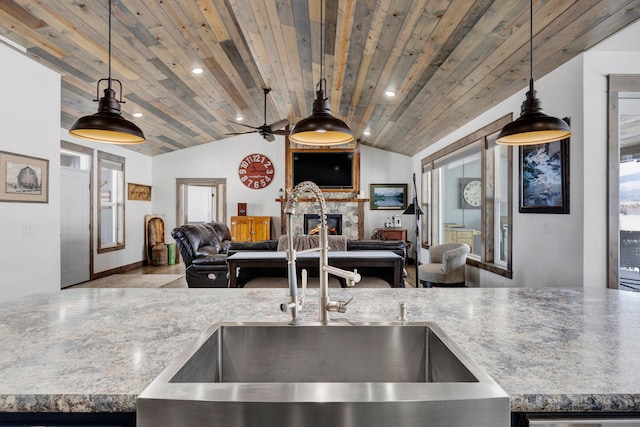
(350, 200)
(355, 202)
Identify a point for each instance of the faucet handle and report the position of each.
(342, 305)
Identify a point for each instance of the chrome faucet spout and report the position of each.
(295, 303)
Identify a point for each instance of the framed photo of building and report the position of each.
(23, 178)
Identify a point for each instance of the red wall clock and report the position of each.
(256, 171)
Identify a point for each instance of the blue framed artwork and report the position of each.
(544, 178)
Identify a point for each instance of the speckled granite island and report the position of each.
(95, 350)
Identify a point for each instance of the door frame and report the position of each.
(616, 83)
(90, 153)
(181, 195)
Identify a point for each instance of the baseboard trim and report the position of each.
(118, 270)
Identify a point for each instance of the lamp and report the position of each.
(108, 125)
(321, 127)
(533, 126)
(414, 209)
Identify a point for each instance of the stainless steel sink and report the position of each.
(264, 374)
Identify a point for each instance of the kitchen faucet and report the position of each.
(325, 305)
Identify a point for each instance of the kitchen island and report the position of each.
(94, 350)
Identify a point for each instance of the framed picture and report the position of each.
(388, 196)
(139, 192)
(23, 178)
(544, 178)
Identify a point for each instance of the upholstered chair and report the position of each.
(446, 267)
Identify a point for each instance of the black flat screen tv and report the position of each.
(328, 170)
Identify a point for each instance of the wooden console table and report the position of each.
(393, 233)
(347, 260)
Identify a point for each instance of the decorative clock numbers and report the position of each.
(471, 192)
(256, 171)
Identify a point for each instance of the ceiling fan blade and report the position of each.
(269, 137)
(247, 126)
(278, 125)
(241, 133)
(280, 132)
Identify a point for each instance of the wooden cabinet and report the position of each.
(452, 235)
(250, 228)
(394, 234)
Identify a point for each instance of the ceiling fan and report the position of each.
(266, 131)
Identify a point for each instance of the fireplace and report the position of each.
(312, 222)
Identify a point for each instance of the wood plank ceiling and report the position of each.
(447, 60)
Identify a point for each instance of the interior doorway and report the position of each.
(201, 200)
(624, 182)
(75, 214)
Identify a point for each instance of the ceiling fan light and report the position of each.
(107, 125)
(321, 127)
(533, 126)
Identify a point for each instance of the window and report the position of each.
(111, 198)
(467, 192)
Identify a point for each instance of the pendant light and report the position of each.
(108, 125)
(321, 127)
(533, 126)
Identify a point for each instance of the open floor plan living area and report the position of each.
(320, 212)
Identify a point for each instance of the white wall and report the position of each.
(137, 171)
(220, 159)
(30, 117)
(573, 251)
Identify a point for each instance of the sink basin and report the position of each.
(369, 374)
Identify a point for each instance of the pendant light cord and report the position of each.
(322, 48)
(109, 78)
(531, 46)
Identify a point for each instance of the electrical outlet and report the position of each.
(27, 230)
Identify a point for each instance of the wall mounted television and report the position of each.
(329, 169)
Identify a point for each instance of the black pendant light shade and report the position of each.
(108, 125)
(321, 127)
(533, 126)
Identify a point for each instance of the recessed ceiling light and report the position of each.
(137, 114)
(197, 70)
(239, 118)
(390, 93)
(366, 133)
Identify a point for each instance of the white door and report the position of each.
(201, 204)
(74, 226)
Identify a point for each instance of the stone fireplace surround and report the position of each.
(350, 207)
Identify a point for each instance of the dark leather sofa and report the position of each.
(204, 248)
(244, 275)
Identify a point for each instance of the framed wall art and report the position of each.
(544, 178)
(388, 196)
(139, 192)
(23, 178)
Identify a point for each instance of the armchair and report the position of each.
(446, 267)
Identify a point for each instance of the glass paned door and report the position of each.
(629, 189)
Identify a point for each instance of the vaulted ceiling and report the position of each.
(447, 60)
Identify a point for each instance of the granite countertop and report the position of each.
(95, 350)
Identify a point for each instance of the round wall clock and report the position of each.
(471, 191)
(256, 171)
